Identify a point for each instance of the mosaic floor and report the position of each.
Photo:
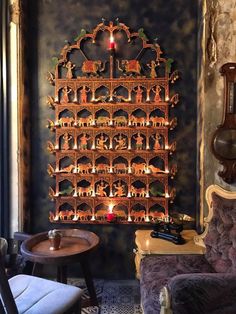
(114, 296)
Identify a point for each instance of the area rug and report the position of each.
(114, 296)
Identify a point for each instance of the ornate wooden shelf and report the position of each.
(111, 130)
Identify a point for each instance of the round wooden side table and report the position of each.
(76, 244)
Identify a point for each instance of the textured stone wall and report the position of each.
(218, 47)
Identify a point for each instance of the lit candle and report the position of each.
(93, 218)
(166, 146)
(129, 219)
(167, 98)
(111, 122)
(129, 170)
(93, 170)
(75, 218)
(147, 218)
(111, 217)
(147, 194)
(111, 43)
(167, 195)
(56, 218)
(129, 194)
(75, 146)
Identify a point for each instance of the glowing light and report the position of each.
(110, 208)
(111, 43)
(93, 218)
(129, 218)
(75, 218)
(167, 195)
(167, 98)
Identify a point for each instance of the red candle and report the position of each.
(111, 43)
(111, 217)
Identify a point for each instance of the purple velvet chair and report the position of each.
(197, 284)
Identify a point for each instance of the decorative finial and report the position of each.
(117, 21)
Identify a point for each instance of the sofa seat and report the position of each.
(157, 270)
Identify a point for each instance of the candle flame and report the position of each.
(110, 208)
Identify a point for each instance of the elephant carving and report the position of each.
(129, 67)
(91, 67)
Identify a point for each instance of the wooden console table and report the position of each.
(147, 245)
(76, 244)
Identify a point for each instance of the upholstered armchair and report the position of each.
(197, 284)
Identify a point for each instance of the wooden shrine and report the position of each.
(111, 129)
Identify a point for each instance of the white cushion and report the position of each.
(35, 295)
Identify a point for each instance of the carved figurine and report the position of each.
(157, 141)
(87, 121)
(120, 189)
(102, 121)
(103, 168)
(139, 141)
(50, 147)
(65, 94)
(100, 190)
(139, 94)
(84, 214)
(50, 125)
(120, 121)
(138, 215)
(137, 192)
(85, 191)
(139, 168)
(120, 168)
(101, 142)
(156, 91)
(129, 67)
(122, 142)
(70, 66)
(156, 169)
(83, 94)
(157, 121)
(91, 67)
(84, 168)
(50, 170)
(84, 141)
(66, 121)
(50, 102)
(67, 138)
(137, 120)
(152, 66)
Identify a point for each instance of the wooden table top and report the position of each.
(74, 243)
(148, 245)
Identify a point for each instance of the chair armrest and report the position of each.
(203, 293)
(21, 236)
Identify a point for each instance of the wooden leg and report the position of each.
(37, 269)
(89, 281)
(62, 274)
